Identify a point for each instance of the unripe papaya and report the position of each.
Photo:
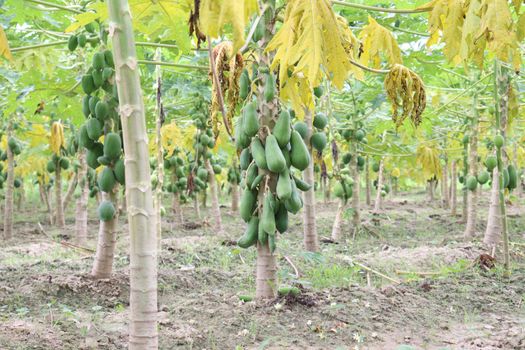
(93, 100)
(256, 181)
(108, 58)
(106, 211)
(359, 135)
(320, 120)
(202, 174)
(83, 138)
(272, 245)
(106, 180)
(72, 43)
(244, 85)
(466, 139)
(217, 169)
(107, 73)
(506, 178)
(299, 155)
(483, 177)
(294, 203)
(88, 85)
(286, 155)
(284, 185)
(499, 141)
(250, 236)
(282, 130)
(260, 29)
(375, 167)
(339, 191)
(245, 158)
(302, 129)
(318, 92)
(281, 219)
(347, 158)
(319, 141)
(92, 159)
(247, 204)
(250, 120)
(85, 106)
(302, 185)
(472, 183)
(262, 236)
(98, 61)
(112, 146)
(64, 163)
(242, 140)
(94, 129)
(513, 177)
(82, 40)
(101, 110)
(251, 174)
(98, 80)
(104, 160)
(268, 215)
(90, 27)
(269, 88)
(51, 167)
(360, 161)
(274, 157)
(491, 162)
(258, 153)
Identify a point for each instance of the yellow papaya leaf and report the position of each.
(95, 11)
(520, 33)
(308, 46)
(4, 45)
(215, 14)
(378, 40)
(428, 157)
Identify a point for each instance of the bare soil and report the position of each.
(446, 298)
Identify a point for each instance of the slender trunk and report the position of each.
(123, 202)
(215, 208)
(444, 181)
(493, 230)
(59, 210)
(430, 190)
(196, 206)
(367, 183)
(81, 214)
(177, 210)
(70, 191)
(141, 219)
(395, 186)
(470, 229)
(157, 201)
(378, 201)
(45, 195)
(311, 241)
(9, 189)
(204, 198)
(20, 196)
(356, 214)
(336, 227)
(235, 197)
(327, 190)
(464, 187)
(266, 273)
(453, 189)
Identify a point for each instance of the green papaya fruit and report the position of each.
(513, 177)
(360, 161)
(106, 180)
(299, 155)
(242, 140)
(258, 153)
(319, 141)
(339, 190)
(64, 163)
(51, 167)
(202, 173)
(106, 211)
(98, 80)
(347, 158)
(250, 236)
(217, 169)
(375, 167)
(251, 174)
(90, 27)
(284, 186)
(101, 110)
(295, 202)
(83, 138)
(262, 236)
(286, 155)
(92, 159)
(104, 161)
(360, 135)
(108, 58)
(274, 157)
(82, 40)
(466, 139)
(85, 106)
(483, 177)
(93, 100)
(259, 31)
(318, 91)
(491, 162)
(320, 120)
(256, 181)
(472, 183)
(268, 216)
(282, 130)
(302, 129)
(94, 129)
(272, 245)
(247, 204)
(269, 88)
(88, 85)
(244, 85)
(250, 120)
(98, 61)
(245, 159)
(302, 185)
(107, 73)
(499, 141)
(506, 178)
(281, 219)
(112, 146)
(72, 43)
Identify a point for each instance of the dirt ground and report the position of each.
(446, 298)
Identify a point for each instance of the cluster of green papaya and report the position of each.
(264, 154)
(14, 145)
(358, 135)
(88, 35)
(179, 175)
(234, 175)
(385, 189)
(360, 160)
(56, 162)
(343, 188)
(3, 176)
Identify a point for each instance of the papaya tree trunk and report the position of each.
(446, 196)
(45, 195)
(20, 198)
(235, 197)
(214, 193)
(70, 191)
(470, 229)
(81, 213)
(311, 241)
(464, 188)
(367, 182)
(160, 152)
(196, 206)
(493, 230)
(59, 209)
(177, 210)
(356, 189)
(143, 332)
(9, 190)
(327, 186)
(378, 201)
(453, 189)
(336, 227)
(107, 240)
